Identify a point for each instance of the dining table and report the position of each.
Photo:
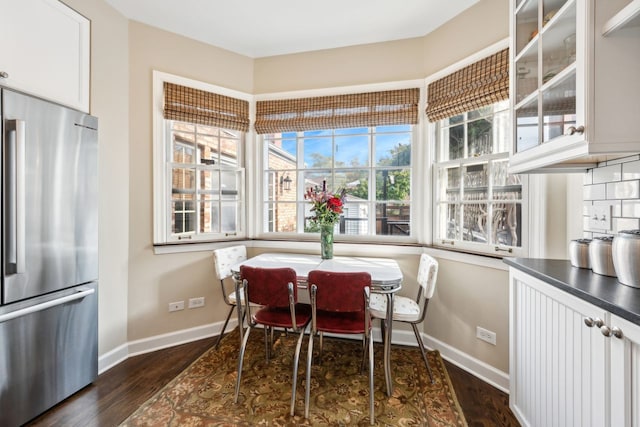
(386, 279)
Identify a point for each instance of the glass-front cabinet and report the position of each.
(571, 92)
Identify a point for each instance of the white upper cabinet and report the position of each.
(44, 51)
(574, 92)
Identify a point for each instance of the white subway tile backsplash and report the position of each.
(607, 174)
(630, 208)
(623, 190)
(594, 192)
(615, 183)
(631, 170)
(620, 224)
(616, 206)
(624, 159)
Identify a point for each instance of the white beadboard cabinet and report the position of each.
(574, 90)
(45, 51)
(625, 374)
(564, 372)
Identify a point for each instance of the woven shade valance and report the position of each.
(198, 106)
(477, 85)
(340, 111)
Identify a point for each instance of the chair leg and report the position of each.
(296, 359)
(267, 344)
(307, 389)
(320, 354)
(383, 327)
(365, 343)
(424, 353)
(371, 388)
(224, 327)
(240, 360)
(271, 340)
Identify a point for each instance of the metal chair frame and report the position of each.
(223, 272)
(427, 281)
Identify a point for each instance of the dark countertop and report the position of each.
(602, 291)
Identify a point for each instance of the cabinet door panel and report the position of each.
(48, 52)
(625, 374)
(557, 362)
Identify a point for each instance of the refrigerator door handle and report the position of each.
(15, 193)
(82, 292)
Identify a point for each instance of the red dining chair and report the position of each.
(276, 291)
(409, 310)
(340, 304)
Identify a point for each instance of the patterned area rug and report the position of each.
(202, 395)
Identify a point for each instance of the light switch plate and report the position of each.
(600, 217)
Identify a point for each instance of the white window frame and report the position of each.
(161, 167)
(418, 173)
(432, 137)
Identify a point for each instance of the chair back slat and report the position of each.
(269, 286)
(427, 275)
(340, 291)
(224, 258)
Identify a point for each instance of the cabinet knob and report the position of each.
(3, 74)
(572, 130)
(607, 331)
(590, 322)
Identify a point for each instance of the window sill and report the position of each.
(358, 249)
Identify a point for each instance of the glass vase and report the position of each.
(326, 241)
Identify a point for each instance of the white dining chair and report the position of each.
(408, 310)
(223, 259)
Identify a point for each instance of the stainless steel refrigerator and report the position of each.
(48, 295)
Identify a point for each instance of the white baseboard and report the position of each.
(113, 358)
(476, 367)
(158, 342)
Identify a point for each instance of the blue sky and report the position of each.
(352, 143)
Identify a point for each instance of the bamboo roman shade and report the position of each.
(477, 85)
(390, 107)
(206, 108)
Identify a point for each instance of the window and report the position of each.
(198, 162)
(363, 143)
(373, 164)
(206, 180)
(478, 205)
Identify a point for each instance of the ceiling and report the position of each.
(259, 28)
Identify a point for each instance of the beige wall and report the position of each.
(372, 63)
(137, 285)
(468, 296)
(476, 28)
(109, 102)
(156, 280)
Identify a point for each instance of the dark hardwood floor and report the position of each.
(118, 392)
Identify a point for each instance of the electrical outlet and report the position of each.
(176, 306)
(196, 302)
(486, 335)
